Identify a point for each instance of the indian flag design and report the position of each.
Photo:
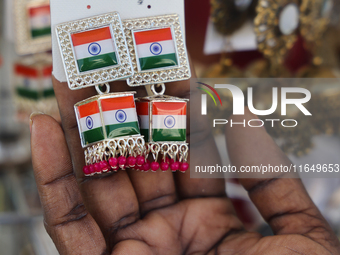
(155, 49)
(169, 121)
(143, 118)
(90, 124)
(120, 116)
(33, 83)
(94, 49)
(40, 21)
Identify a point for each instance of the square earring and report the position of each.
(33, 26)
(157, 50)
(94, 51)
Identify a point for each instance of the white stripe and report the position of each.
(110, 116)
(47, 82)
(144, 119)
(97, 122)
(40, 21)
(158, 121)
(143, 50)
(28, 83)
(82, 51)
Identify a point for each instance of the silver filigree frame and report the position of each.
(178, 73)
(78, 80)
(98, 98)
(25, 44)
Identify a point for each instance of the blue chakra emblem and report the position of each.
(169, 121)
(156, 49)
(94, 49)
(121, 116)
(89, 122)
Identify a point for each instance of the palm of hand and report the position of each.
(131, 212)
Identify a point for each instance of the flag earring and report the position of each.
(159, 56)
(33, 26)
(94, 53)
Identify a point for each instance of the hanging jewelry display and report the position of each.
(228, 16)
(33, 82)
(158, 54)
(33, 26)
(276, 26)
(315, 18)
(94, 53)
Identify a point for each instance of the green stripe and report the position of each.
(41, 32)
(96, 62)
(92, 136)
(124, 129)
(158, 61)
(145, 133)
(169, 135)
(35, 94)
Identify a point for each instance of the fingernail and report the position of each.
(31, 118)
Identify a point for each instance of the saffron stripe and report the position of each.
(101, 61)
(26, 71)
(41, 10)
(92, 136)
(158, 61)
(91, 36)
(117, 103)
(124, 129)
(150, 36)
(171, 108)
(142, 108)
(88, 109)
(169, 135)
(41, 32)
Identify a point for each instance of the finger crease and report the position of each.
(263, 184)
(59, 179)
(76, 214)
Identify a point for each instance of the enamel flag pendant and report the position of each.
(157, 49)
(94, 52)
(33, 86)
(163, 124)
(158, 54)
(33, 26)
(109, 133)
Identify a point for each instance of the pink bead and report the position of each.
(105, 166)
(167, 160)
(113, 162)
(98, 168)
(131, 161)
(140, 160)
(114, 169)
(174, 166)
(137, 168)
(146, 166)
(154, 166)
(164, 166)
(122, 162)
(184, 167)
(86, 170)
(92, 169)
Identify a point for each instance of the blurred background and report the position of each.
(226, 39)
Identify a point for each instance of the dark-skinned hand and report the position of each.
(131, 212)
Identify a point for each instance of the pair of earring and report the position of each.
(118, 131)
